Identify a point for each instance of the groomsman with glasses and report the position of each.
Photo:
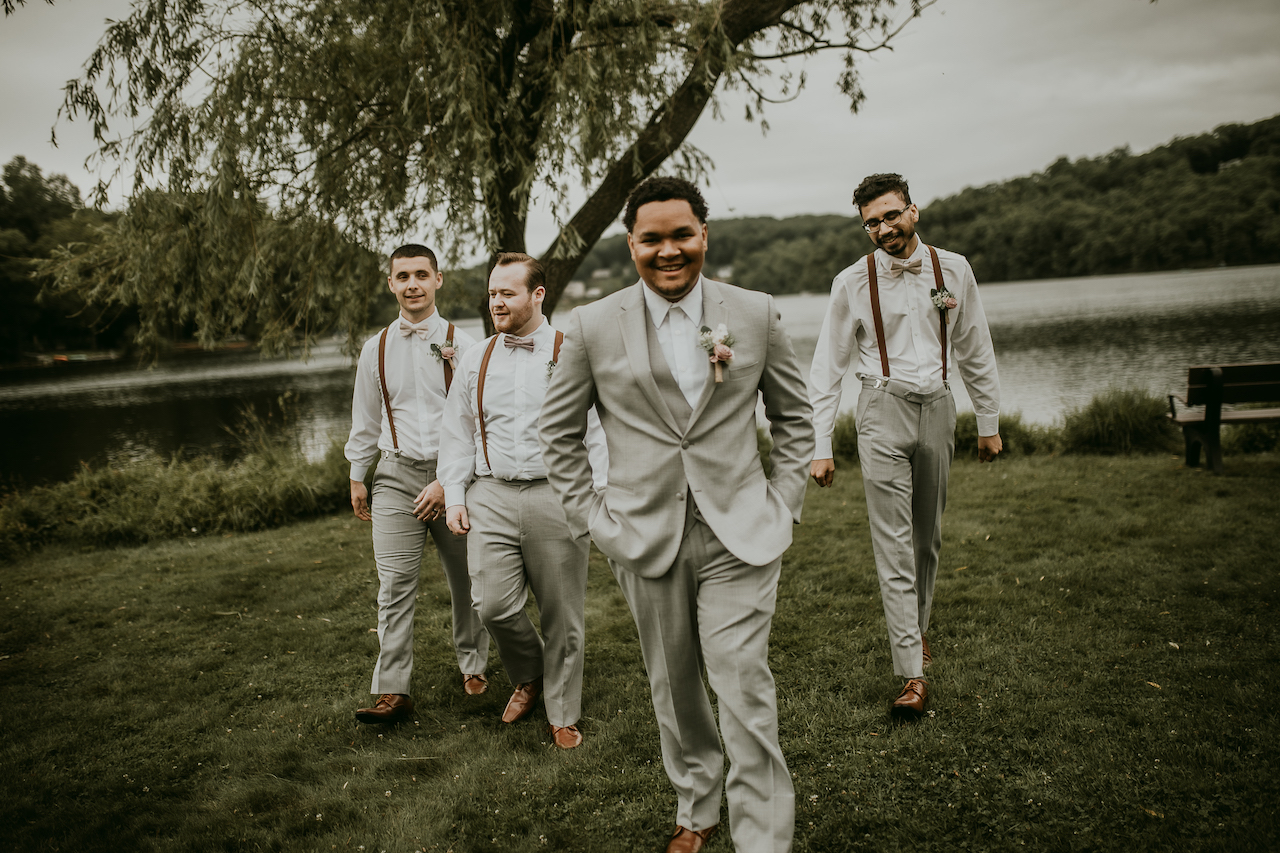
(402, 379)
(497, 495)
(902, 318)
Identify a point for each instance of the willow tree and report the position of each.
(445, 118)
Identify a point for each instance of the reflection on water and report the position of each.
(1058, 343)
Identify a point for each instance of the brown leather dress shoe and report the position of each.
(688, 840)
(474, 685)
(521, 702)
(566, 737)
(928, 658)
(390, 708)
(911, 701)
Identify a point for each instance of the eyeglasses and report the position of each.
(890, 218)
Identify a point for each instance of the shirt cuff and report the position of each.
(455, 495)
(358, 472)
(822, 448)
(988, 424)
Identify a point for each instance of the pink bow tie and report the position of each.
(897, 268)
(512, 342)
(419, 329)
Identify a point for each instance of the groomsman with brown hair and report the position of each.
(402, 378)
(902, 318)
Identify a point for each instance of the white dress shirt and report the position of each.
(415, 383)
(678, 336)
(912, 338)
(514, 388)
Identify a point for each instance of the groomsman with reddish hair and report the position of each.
(497, 495)
(402, 378)
(904, 318)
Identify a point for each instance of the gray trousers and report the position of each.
(905, 444)
(713, 608)
(398, 541)
(520, 541)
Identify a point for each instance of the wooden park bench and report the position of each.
(1212, 387)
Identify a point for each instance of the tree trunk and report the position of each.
(665, 133)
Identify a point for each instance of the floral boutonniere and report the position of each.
(444, 352)
(551, 366)
(718, 345)
(944, 300)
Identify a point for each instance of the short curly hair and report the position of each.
(664, 189)
(874, 186)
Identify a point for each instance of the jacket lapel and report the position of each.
(714, 312)
(635, 340)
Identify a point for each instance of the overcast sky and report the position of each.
(973, 92)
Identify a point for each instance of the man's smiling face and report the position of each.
(668, 245)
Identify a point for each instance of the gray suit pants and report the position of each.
(398, 541)
(715, 608)
(520, 540)
(905, 444)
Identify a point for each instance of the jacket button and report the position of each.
(684, 445)
(679, 496)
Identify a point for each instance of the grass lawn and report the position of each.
(1104, 636)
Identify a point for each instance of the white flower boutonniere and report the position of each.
(944, 301)
(718, 345)
(444, 352)
(551, 366)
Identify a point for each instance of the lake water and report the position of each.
(1058, 343)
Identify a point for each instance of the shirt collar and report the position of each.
(690, 304)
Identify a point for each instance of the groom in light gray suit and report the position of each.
(693, 529)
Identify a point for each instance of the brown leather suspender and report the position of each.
(874, 287)
(484, 370)
(382, 378)
(875, 313)
(942, 315)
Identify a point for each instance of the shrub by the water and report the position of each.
(1018, 438)
(270, 484)
(1120, 420)
(155, 499)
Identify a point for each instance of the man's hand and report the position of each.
(360, 500)
(429, 505)
(823, 471)
(456, 518)
(989, 446)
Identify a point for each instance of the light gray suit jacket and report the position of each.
(655, 461)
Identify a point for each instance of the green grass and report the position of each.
(1104, 635)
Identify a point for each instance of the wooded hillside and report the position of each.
(1198, 201)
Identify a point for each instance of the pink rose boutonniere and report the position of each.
(445, 352)
(944, 301)
(719, 347)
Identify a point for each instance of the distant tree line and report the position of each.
(38, 214)
(1198, 201)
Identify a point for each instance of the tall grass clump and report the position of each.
(844, 438)
(270, 484)
(1119, 421)
(1018, 438)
